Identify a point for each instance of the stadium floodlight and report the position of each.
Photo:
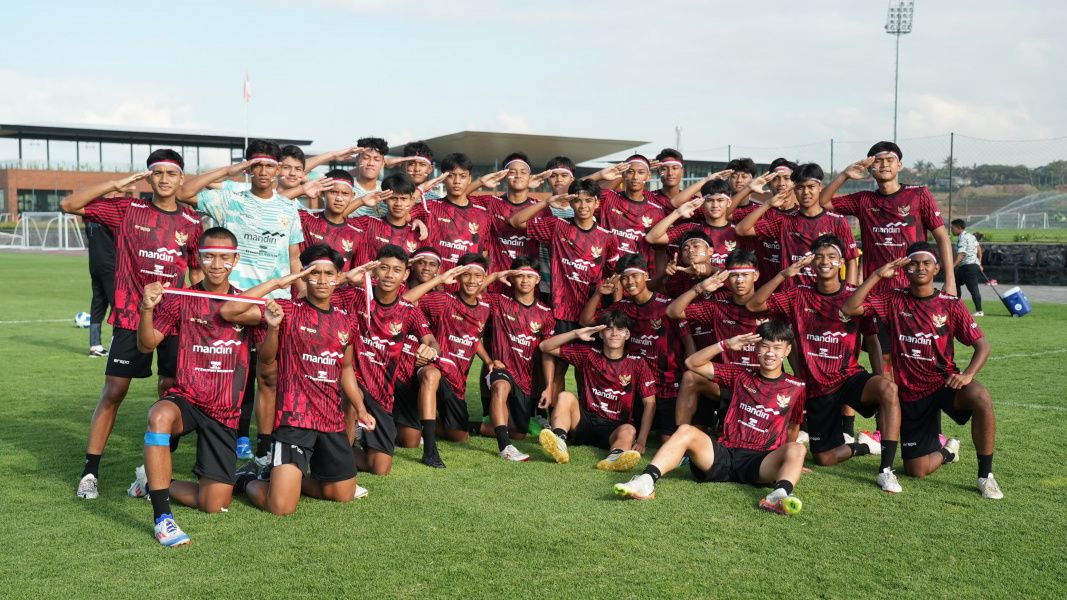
(897, 23)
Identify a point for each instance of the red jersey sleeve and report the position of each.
(877, 305)
(548, 327)
(727, 374)
(796, 411)
(844, 232)
(542, 227)
(611, 255)
(192, 246)
(417, 324)
(434, 304)
(929, 211)
(701, 313)
(418, 212)
(964, 327)
(645, 384)
(344, 297)
(847, 205)
(781, 303)
(108, 212)
(167, 314)
(769, 225)
(674, 234)
(576, 354)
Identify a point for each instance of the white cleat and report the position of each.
(989, 488)
(865, 439)
(620, 461)
(887, 480)
(978, 314)
(640, 487)
(510, 452)
(953, 446)
(88, 488)
(139, 487)
(361, 492)
(168, 533)
(849, 439)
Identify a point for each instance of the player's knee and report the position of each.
(823, 459)
(627, 430)
(887, 390)
(916, 469)
(160, 419)
(795, 451)
(429, 374)
(567, 398)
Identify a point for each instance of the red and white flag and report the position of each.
(247, 91)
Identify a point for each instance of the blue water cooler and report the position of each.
(1016, 302)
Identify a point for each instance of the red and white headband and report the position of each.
(320, 261)
(343, 182)
(696, 239)
(475, 267)
(516, 160)
(217, 249)
(638, 159)
(427, 256)
(741, 270)
(634, 270)
(165, 163)
(422, 159)
(669, 162)
(917, 253)
(718, 196)
(265, 158)
(782, 169)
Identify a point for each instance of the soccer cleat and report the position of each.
(872, 445)
(942, 439)
(168, 533)
(97, 351)
(989, 488)
(139, 487)
(361, 492)
(619, 461)
(876, 436)
(790, 505)
(512, 453)
(887, 480)
(953, 446)
(803, 438)
(244, 449)
(640, 487)
(978, 313)
(88, 488)
(554, 445)
(263, 465)
(849, 439)
(432, 459)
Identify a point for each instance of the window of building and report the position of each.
(40, 200)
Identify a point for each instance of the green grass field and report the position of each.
(484, 528)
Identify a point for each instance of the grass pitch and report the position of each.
(485, 528)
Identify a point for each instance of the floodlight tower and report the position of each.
(898, 23)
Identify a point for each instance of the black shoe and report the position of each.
(246, 473)
(433, 460)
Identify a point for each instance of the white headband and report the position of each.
(671, 161)
(632, 270)
(516, 160)
(167, 163)
(921, 252)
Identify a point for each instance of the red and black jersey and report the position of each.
(506, 242)
(517, 331)
(454, 230)
(630, 220)
(213, 354)
(921, 332)
(311, 349)
(378, 233)
(580, 259)
(344, 237)
(379, 345)
(760, 409)
(151, 244)
(796, 232)
(889, 224)
(657, 339)
(609, 387)
(724, 239)
(725, 319)
(829, 344)
(767, 248)
(458, 328)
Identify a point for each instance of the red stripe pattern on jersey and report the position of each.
(345, 237)
(378, 233)
(795, 233)
(630, 221)
(454, 230)
(760, 409)
(768, 249)
(517, 331)
(580, 258)
(724, 240)
(609, 387)
(716, 317)
(458, 328)
(655, 338)
(506, 242)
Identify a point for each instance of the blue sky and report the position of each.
(334, 70)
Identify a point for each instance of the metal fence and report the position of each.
(44, 231)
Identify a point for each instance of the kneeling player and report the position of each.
(765, 408)
(610, 381)
(922, 322)
(213, 358)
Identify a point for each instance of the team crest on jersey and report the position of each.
(283, 221)
(342, 336)
(473, 228)
(844, 318)
(535, 326)
(347, 245)
(481, 325)
(657, 323)
(411, 246)
(904, 210)
(783, 400)
(181, 237)
(940, 320)
(317, 236)
(646, 221)
(595, 251)
(395, 328)
(729, 245)
(624, 380)
(238, 328)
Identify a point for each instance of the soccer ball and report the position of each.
(81, 320)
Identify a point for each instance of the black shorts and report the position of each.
(328, 456)
(125, 360)
(565, 326)
(520, 405)
(664, 420)
(920, 422)
(383, 437)
(593, 430)
(451, 410)
(825, 427)
(406, 403)
(736, 465)
(216, 444)
(883, 335)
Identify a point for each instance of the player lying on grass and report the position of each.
(610, 381)
(765, 405)
(829, 350)
(213, 361)
(922, 323)
(312, 342)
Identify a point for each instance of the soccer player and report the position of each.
(671, 170)
(395, 226)
(610, 383)
(330, 226)
(369, 164)
(922, 323)
(456, 320)
(312, 341)
(419, 168)
(581, 251)
(456, 225)
(968, 262)
(767, 248)
(829, 346)
(213, 358)
(891, 217)
(506, 242)
(796, 232)
(753, 448)
(631, 214)
(519, 322)
(560, 170)
(269, 235)
(378, 350)
(713, 199)
(156, 241)
(691, 263)
(100, 241)
(653, 336)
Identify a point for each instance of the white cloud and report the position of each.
(510, 123)
(1033, 53)
(935, 115)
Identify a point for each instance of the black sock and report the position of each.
(848, 426)
(615, 451)
(889, 453)
(429, 436)
(985, 465)
(859, 449)
(174, 440)
(263, 443)
(653, 472)
(560, 433)
(946, 456)
(241, 484)
(160, 501)
(502, 437)
(92, 465)
(784, 484)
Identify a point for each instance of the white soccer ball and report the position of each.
(81, 320)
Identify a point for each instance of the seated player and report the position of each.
(609, 382)
(753, 447)
(829, 347)
(312, 343)
(922, 322)
(213, 360)
(519, 321)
